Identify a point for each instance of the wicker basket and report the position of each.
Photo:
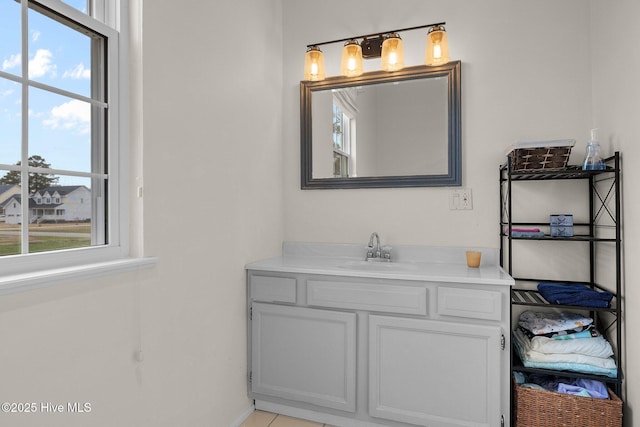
(540, 158)
(539, 408)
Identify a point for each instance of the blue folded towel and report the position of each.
(527, 233)
(574, 294)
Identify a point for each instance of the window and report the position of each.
(341, 143)
(61, 111)
(344, 133)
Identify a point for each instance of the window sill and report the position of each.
(44, 278)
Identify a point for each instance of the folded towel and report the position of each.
(588, 332)
(597, 347)
(521, 230)
(564, 366)
(574, 294)
(581, 332)
(527, 234)
(536, 356)
(540, 323)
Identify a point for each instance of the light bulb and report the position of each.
(437, 52)
(351, 64)
(314, 64)
(392, 53)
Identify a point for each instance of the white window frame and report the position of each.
(34, 270)
(348, 137)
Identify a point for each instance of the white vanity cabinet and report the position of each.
(304, 355)
(433, 373)
(356, 351)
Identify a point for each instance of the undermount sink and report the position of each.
(378, 266)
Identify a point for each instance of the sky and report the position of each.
(59, 126)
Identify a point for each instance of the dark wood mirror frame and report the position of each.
(454, 175)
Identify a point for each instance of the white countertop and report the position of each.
(420, 263)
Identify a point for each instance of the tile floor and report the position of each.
(267, 419)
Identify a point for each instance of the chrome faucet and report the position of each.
(377, 252)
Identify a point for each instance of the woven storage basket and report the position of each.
(540, 158)
(539, 408)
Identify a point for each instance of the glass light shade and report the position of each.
(437, 52)
(314, 64)
(392, 53)
(351, 65)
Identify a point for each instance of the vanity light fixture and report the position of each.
(392, 53)
(351, 64)
(437, 47)
(314, 64)
(386, 45)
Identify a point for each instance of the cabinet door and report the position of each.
(304, 354)
(434, 373)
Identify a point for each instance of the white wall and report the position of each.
(519, 82)
(616, 103)
(212, 202)
(409, 117)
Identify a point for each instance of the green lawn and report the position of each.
(65, 228)
(10, 244)
(43, 244)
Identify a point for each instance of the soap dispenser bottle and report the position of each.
(593, 161)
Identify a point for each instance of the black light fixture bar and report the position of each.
(366, 36)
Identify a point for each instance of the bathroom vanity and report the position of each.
(420, 340)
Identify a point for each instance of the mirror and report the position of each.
(380, 130)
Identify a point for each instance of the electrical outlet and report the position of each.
(460, 199)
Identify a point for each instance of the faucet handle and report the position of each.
(386, 253)
(370, 253)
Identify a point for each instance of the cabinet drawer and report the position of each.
(470, 303)
(273, 289)
(367, 296)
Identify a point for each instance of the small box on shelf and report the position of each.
(561, 225)
(561, 231)
(561, 219)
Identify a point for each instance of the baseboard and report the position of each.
(243, 417)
